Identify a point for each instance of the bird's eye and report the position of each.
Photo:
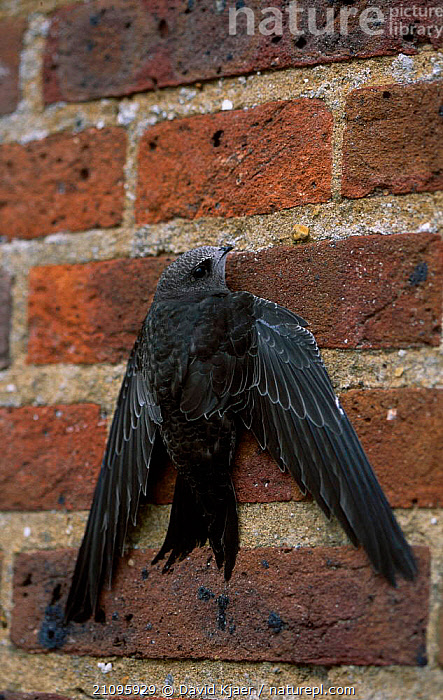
(201, 270)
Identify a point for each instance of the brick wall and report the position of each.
(130, 132)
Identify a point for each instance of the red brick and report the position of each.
(257, 478)
(407, 444)
(105, 48)
(64, 182)
(365, 291)
(410, 444)
(5, 316)
(368, 291)
(89, 313)
(260, 160)
(53, 454)
(50, 456)
(319, 605)
(393, 140)
(11, 36)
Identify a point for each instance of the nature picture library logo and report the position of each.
(388, 19)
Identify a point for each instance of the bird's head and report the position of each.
(196, 271)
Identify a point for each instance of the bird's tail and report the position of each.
(199, 514)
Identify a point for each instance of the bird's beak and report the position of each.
(221, 263)
(226, 249)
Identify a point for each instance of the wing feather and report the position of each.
(123, 476)
(295, 414)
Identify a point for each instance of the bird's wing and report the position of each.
(295, 414)
(268, 368)
(123, 476)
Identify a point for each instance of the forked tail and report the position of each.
(197, 515)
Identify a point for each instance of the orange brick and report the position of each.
(393, 141)
(236, 163)
(65, 182)
(89, 313)
(50, 456)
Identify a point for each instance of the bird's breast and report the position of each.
(175, 335)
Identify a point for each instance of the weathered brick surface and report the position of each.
(268, 158)
(319, 606)
(105, 48)
(393, 139)
(50, 456)
(402, 432)
(257, 478)
(64, 182)
(366, 291)
(89, 313)
(11, 35)
(5, 316)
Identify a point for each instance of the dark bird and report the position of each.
(207, 360)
